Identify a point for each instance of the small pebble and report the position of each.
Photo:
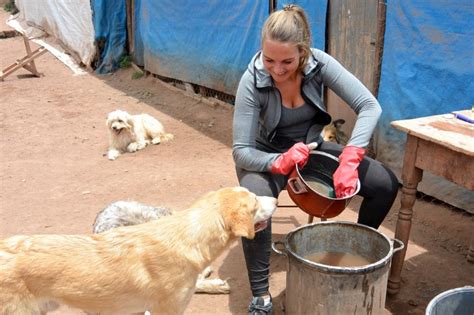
(412, 303)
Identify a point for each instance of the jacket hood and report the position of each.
(263, 78)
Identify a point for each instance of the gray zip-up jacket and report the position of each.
(258, 108)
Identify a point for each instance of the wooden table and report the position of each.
(442, 145)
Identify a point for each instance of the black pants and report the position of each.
(379, 187)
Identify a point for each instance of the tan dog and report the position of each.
(333, 132)
(151, 266)
(129, 212)
(130, 133)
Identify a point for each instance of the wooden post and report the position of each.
(131, 26)
(379, 41)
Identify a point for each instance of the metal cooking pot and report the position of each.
(314, 288)
(312, 190)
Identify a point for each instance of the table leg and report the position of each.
(411, 176)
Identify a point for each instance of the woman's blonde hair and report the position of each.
(290, 25)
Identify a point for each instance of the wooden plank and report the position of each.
(453, 166)
(444, 130)
(352, 37)
(31, 67)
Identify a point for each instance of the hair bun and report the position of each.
(289, 7)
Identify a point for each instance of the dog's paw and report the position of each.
(212, 286)
(205, 273)
(133, 147)
(113, 154)
(156, 140)
(136, 146)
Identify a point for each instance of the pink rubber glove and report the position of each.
(298, 154)
(345, 177)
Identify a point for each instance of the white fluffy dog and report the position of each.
(130, 133)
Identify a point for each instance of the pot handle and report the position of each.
(279, 252)
(399, 243)
(312, 146)
(297, 186)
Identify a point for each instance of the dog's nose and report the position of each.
(272, 202)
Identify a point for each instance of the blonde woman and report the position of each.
(279, 111)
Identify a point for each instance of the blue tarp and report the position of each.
(110, 25)
(428, 62)
(427, 69)
(316, 12)
(208, 43)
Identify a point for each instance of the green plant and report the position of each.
(10, 7)
(137, 75)
(125, 61)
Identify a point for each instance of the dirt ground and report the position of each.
(55, 178)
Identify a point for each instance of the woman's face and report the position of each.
(280, 59)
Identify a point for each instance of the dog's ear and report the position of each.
(243, 228)
(241, 221)
(108, 122)
(130, 121)
(237, 206)
(338, 123)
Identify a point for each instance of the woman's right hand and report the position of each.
(298, 154)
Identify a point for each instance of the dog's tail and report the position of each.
(166, 137)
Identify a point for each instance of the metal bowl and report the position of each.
(311, 188)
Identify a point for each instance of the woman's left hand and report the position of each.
(346, 175)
